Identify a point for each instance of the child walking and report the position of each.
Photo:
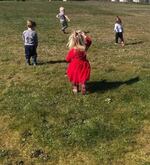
(30, 39)
(63, 19)
(78, 70)
(118, 28)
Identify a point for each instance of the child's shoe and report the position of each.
(75, 90)
(34, 63)
(28, 62)
(122, 44)
(65, 75)
(64, 31)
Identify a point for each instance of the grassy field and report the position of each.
(41, 121)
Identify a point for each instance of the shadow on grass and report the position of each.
(96, 86)
(52, 62)
(134, 43)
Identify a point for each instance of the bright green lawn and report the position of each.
(41, 121)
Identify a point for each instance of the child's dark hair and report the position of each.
(34, 24)
(118, 19)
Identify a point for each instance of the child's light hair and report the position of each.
(61, 9)
(31, 24)
(76, 40)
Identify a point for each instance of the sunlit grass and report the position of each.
(41, 121)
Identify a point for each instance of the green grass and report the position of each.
(41, 121)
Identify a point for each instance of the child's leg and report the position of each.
(34, 61)
(34, 56)
(75, 88)
(83, 89)
(122, 40)
(27, 54)
(116, 38)
(64, 26)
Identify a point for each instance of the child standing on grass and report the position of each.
(63, 19)
(30, 39)
(78, 70)
(118, 28)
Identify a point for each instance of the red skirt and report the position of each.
(78, 71)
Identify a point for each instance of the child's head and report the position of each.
(118, 19)
(76, 40)
(31, 24)
(62, 9)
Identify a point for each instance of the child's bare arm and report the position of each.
(67, 18)
(57, 16)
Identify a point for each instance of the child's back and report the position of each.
(30, 42)
(78, 70)
(30, 37)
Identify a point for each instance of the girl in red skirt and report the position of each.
(78, 70)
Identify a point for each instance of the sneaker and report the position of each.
(64, 31)
(28, 64)
(122, 44)
(75, 89)
(34, 64)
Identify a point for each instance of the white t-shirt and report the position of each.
(118, 28)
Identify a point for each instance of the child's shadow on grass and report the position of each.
(52, 62)
(134, 43)
(103, 86)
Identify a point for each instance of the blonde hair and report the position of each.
(31, 24)
(61, 9)
(76, 40)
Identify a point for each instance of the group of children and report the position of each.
(78, 70)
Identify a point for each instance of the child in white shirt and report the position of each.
(118, 28)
